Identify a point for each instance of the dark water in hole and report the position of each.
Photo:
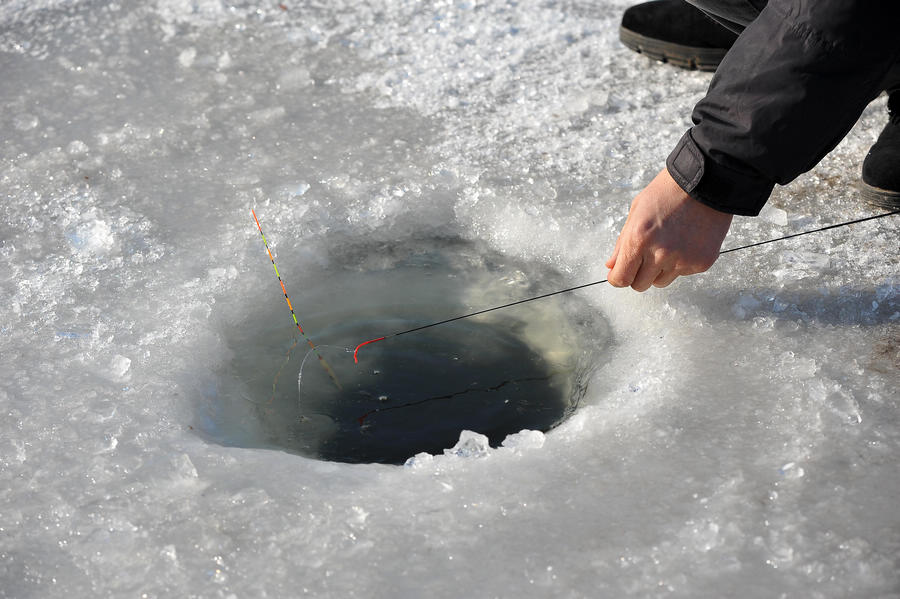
(521, 368)
(417, 392)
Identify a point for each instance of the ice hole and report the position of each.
(525, 367)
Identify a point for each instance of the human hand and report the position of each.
(667, 234)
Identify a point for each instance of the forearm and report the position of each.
(789, 90)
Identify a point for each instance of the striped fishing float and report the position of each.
(312, 345)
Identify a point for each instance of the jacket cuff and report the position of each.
(713, 184)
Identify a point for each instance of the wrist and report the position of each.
(713, 184)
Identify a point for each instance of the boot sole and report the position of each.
(882, 198)
(685, 57)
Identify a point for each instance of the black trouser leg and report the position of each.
(732, 14)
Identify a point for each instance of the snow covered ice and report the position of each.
(739, 438)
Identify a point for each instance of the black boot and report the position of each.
(881, 168)
(673, 31)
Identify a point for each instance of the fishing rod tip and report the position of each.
(356, 351)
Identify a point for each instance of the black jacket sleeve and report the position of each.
(787, 92)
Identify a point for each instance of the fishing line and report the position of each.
(303, 363)
(497, 387)
(284, 363)
(287, 358)
(312, 345)
(844, 224)
(576, 288)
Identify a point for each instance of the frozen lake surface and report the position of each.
(740, 430)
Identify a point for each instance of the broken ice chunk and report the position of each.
(525, 439)
(117, 368)
(470, 445)
(774, 215)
